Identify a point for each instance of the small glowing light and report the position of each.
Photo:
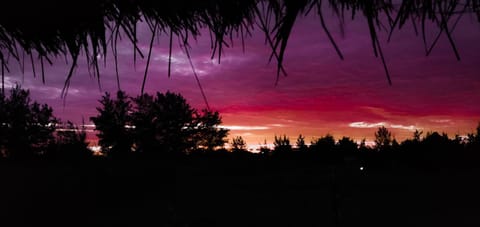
(361, 168)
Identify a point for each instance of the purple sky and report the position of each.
(322, 94)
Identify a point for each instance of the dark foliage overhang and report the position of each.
(47, 29)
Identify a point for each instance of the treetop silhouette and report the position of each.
(165, 124)
(383, 138)
(238, 144)
(112, 123)
(154, 124)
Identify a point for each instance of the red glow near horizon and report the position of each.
(320, 95)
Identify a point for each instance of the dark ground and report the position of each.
(223, 192)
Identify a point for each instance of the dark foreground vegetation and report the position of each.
(227, 190)
(47, 29)
(147, 177)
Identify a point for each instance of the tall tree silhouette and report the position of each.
(163, 123)
(383, 138)
(114, 124)
(208, 133)
(26, 128)
(142, 118)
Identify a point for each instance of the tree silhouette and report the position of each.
(208, 133)
(238, 144)
(437, 139)
(163, 123)
(383, 138)
(26, 128)
(142, 117)
(323, 144)
(346, 145)
(417, 135)
(114, 124)
(281, 145)
(301, 146)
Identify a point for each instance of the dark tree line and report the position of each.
(165, 124)
(155, 125)
(433, 149)
(147, 124)
(28, 130)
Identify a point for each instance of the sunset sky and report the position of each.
(322, 94)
